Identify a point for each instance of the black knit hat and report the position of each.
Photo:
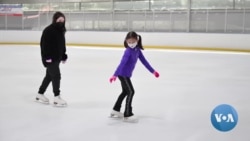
(57, 15)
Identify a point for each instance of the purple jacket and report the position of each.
(129, 60)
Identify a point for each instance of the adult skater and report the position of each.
(53, 51)
(133, 45)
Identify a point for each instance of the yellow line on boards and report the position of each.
(149, 47)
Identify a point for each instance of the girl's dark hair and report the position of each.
(134, 35)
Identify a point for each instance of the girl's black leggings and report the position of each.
(127, 91)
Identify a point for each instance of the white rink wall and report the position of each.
(158, 40)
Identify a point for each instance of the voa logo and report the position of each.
(224, 117)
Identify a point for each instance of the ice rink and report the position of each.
(175, 107)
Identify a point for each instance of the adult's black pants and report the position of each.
(52, 75)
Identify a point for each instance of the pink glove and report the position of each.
(156, 74)
(48, 60)
(113, 78)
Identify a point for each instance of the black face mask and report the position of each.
(60, 24)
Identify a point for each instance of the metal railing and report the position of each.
(208, 21)
(146, 16)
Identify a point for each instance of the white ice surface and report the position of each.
(174, 107)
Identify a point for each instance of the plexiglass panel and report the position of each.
(212, 16)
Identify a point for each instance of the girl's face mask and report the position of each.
(133, 45)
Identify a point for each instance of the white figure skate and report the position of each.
(115, 114)
(42, 99)
(131, 119)
(59, 102)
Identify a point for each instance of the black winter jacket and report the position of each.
(53, 44)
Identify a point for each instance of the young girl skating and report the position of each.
(133, 45)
